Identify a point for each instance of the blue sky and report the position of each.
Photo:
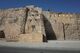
(53, 5)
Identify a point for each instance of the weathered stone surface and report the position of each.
(58, 29)
(58, 23)
(11, 32)
(32, 24)
(54, 28)
(31, 38)
(14, 20)
(71, 32)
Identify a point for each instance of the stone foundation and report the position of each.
(33, 37)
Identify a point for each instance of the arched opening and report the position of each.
(2, 34)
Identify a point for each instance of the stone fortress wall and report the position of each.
(32, 24)
(65, 25)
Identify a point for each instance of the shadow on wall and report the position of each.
(48, 29)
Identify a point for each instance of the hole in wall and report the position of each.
(2, 34)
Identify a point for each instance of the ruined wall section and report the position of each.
(71, 31)
(34, 29)
(56, 26)
(78, 25)
(1, 25)
(13, 22)
(65, 25)
(70, 24)
(2, 19)
(54, 29)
